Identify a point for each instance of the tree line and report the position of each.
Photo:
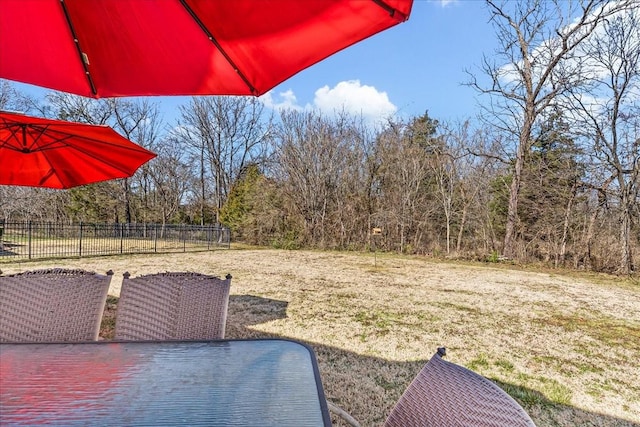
(548, 172)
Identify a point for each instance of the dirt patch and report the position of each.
(108, 326)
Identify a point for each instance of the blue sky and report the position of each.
(406, 70)
(413, 67)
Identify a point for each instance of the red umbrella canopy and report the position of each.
(115, 48)
(37, 152)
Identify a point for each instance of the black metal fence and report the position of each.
(37, 240)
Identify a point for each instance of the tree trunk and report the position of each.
(509, 250)
(463, 221)
(565, 229)
(202, 185)
(127, 201)
(626, 264)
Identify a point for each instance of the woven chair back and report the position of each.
(52, 305)
(172, 306)
(446, 394)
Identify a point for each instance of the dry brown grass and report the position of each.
(566, 347)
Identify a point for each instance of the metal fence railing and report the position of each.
(34, 240)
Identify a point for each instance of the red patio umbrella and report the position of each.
(38, 152)
(112, 48)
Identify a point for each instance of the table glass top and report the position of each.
(217, 383)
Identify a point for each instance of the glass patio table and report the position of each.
(262, 382)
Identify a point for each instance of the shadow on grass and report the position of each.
(249, 310)
(367, 386)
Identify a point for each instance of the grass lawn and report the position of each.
(566, 346)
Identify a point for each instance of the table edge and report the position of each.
(324, 408)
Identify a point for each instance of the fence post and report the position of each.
(155, 238)
(121, 237)
(29, 238)
(80, 240)
(184, 238)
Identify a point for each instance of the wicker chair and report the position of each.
(172, 305)
(52, 305)
(446, 394)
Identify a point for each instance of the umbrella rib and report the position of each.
(63, 136)
(394, 13)
(84, 60)
(18, 133)
(96, 157)
(51, 172)
(13, 135)
(51, 145)
(92, 156)
(218, 46)
(135, 147)
(46, 177)
(45, 147)
(41, 131)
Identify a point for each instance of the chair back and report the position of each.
(172, 306)
(52, 305)
(446, 394)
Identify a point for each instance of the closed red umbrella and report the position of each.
(38, 152)
(108, 48)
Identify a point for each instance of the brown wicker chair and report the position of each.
(52, 305)
(172, 305)
(446, 394)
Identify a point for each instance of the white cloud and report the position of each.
(286, 101)
(350, 96)
(445, 3)
(354, 98)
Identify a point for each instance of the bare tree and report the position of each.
(139, 122)
(608, 118)
(405, 199)
(227, 133)
(311, 157)
(12, 99)
(172, 179)
(460, 177)
(534, 66)
(24, 203)
(75, 108)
